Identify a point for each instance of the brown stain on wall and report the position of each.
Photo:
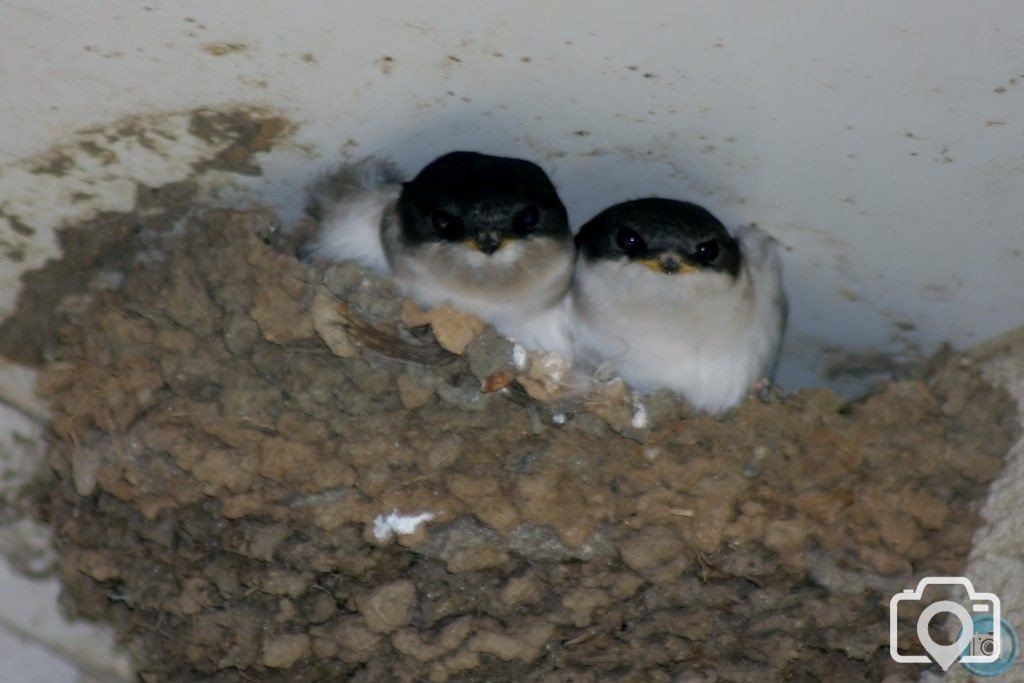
(237, 136)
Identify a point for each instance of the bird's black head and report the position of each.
(665, 235)
(481, 201)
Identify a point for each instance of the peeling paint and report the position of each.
(99, 169)
(221, 49)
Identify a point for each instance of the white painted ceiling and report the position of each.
(881, 142)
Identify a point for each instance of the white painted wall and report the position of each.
(882, 142)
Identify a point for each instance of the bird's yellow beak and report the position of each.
(487, 244)
(669, 264)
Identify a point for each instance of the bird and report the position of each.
(485, 234)
(668, 297)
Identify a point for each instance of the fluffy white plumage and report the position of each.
(703, 335)
(350, 204)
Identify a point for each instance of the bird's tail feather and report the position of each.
(349, 204)
(366, 175)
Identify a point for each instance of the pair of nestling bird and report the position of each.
(656, 287)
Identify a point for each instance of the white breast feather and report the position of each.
(702, 335)
(520, 290)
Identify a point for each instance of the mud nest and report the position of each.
(263, 470)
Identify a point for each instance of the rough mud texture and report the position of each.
(267, 471)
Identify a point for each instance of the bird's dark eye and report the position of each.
(526, 219)
(447, 226)
(706, 252)
(631, 242)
